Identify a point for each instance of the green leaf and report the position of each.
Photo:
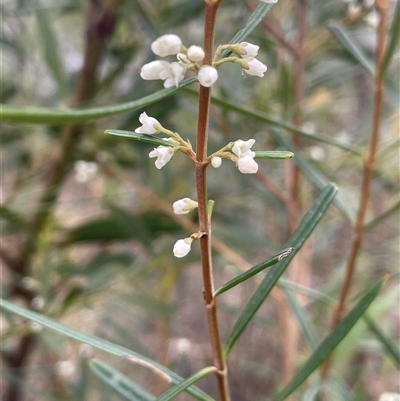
(153, 140)
(264, 118)
(119, 382)
(273, 154)
(38, 115)
(98, 343)
(253, 271)
(394, 37)
(179, 388)
(331, 341)
(51, 52)
(387, 344)
(306, 227)
(342, 36)
(373, 223)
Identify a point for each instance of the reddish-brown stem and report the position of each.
(204, 223)
(369, 165)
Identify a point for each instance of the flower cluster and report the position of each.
(172, 73)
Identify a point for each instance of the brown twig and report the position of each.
(204, 223)
(369, 166)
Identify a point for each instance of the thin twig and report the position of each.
(369, 166)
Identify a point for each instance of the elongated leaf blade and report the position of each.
(394, 37)
(38, 115)
(274, 154)
(306, 227)
(119, 382)
(331, 341)
(153, 140)
(253, 271)
(387, 344)
(179, 388)
(99, 343)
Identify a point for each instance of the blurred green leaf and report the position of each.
(331, 341)
(387, 344)
(394, 37)
(51, 47)
(274, 154)
(153, 140)
(373, 223)
(39, 115)
(253, 271)
(15, 220)
(306, 227)
(119, 382)
(98, 343)
(179, 388)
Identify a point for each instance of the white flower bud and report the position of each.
(207, 76)
(164, 155)
(269, 1)
(184, 206)
(247, 165)
(148, 126)
(153, 70)
(166, 45)
(182, 247)
(255, 67)
(173, 73)
(242, 148)
(250, 49)
(195, 53)
(216, 162)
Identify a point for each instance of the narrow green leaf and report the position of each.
(314, 175)
(387, 344)
(264, 118)
(306, 227)
(179, 388)
(119, 382)
(153, 140)
(51, 51)
(306, 326)
(274, 154)
(394, 37)
(373, 223)
(253, 271)
(342, 36)
(38, 115)
(99, 343)
(331, 341)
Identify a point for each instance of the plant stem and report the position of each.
(369, 166)
(204, 223)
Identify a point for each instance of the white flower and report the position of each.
(255, 67)
(389, 397)
(182, 247)
(85, 171)
(164, 155)
(195, 53)
(207, 75)
(184, 206)
(148, 126)
(247, 165)
(173, 73)
(242, 148)
(153, 70)
(216, 162)
(166, 45)
(269, 1)
(250, 49)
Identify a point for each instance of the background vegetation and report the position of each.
(87, 223)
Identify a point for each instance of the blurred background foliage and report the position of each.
(102, 261)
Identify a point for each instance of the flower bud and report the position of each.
(249, 49)
(148, 126)
(247, 165)
(166, 45)
(254, 67)
(153, 70)
(195, 53)
(207, 76)
(184, 206)
(182, 247)
(216, 162)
